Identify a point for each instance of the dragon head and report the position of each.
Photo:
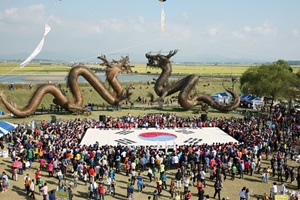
(159, 60)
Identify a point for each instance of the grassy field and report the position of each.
(37, 68)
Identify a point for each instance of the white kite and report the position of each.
(37, 49)
(162, 20)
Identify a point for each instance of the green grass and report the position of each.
(36, 68)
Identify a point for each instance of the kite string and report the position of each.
(112, 52)
(53, 8)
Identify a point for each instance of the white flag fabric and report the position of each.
(162, 20)
(37, 49)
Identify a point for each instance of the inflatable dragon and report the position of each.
(113, 69)
(163, 88)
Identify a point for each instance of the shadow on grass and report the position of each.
(21, 192)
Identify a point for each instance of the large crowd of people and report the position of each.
(56, 148)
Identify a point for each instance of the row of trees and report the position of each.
(276, 80)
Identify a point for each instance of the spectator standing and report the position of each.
(188, 195)
(101, 191)
(201, 193)
(91, 190)
(172, 188)
(32, 189)
(155, 195)
(52, 195)
(247, 194)
(27, 184)
(242, 193)
(163, 178)
(178, 177)
(202, 177)
(282, 189)
(274, 190)
(130, 191)
(218, 188)
(150, 173)
(140, 182)
(233, 172)
(186, 183)
(45, 191)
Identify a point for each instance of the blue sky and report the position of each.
(202, 31)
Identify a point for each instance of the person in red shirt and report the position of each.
(91, 174)
(101, 191)
(42, 164)
(37, 175)
(188, 195)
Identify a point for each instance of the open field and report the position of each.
(11, 68)
(36, 68)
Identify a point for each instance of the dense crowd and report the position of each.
(56, 147)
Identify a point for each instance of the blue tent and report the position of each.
(222, 97)
(6, 127)
(251, 101)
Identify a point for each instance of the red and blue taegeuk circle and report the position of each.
(157, 136)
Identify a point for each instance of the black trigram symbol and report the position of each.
(125, 141)
(184, 131)
(124, 132)
(193, 140)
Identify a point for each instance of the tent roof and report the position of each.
(6, 127)
(220, 94)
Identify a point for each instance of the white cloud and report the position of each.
(33, 13)
(266, 29)
(247, 29)
(212, 31)
(238, 35)
(295, 32)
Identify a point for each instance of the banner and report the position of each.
(281, 197)
(37, 49)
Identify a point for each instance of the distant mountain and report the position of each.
(138, 58)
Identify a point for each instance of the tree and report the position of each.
(275, 80)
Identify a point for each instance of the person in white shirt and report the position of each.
(274, 190)
(32, 189)
(108, 183)
(202, 177)
(282, 189)
(242, 193)
(186, 183)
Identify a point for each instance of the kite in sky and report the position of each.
(162, 0)
(37, 49)
(162, 20)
